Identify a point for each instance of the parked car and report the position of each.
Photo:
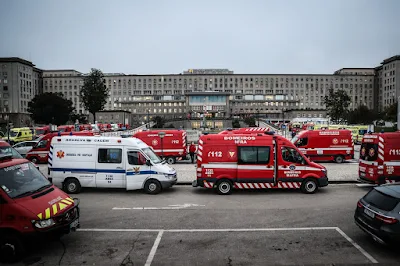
(6, 148)
(24, 147)
(378, 213)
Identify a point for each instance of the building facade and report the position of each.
(196, 91)
(20, 81)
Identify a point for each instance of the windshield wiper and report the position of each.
(33, 191)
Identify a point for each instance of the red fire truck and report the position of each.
(326, 145)
(380, 158)
(255, 161)
(40, 152)
(171, 146)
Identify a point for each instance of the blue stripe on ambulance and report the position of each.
(113, 171)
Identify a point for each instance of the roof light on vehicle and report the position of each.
(119, 141)
(269, 133)
(70, 133)
(58, 139)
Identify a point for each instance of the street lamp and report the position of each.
(161, 134)
(7, 118)
(148, 118)
(258, 117)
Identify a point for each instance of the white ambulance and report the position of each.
(107, 162)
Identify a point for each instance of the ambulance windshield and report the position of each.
(153, 157)
(22, 180)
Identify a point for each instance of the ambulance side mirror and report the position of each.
(148, 163)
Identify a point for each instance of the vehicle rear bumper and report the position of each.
(368, 181)
(322, 181)
(381, 235)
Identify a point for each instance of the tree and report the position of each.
(94, 92)
(337, 103)
(158, 121)
(235, 123)
(251, 121)
(390, 113)
(50, 108)
(80, 117)
(361, 115)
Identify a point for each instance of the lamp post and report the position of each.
(148, 118)
(161, 134)
(328, 117)
(7, 118)
(258, 117)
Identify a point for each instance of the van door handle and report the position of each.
(119, 168)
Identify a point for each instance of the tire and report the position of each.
(309, 186)
(152, 187)
(339, 159)
(11, 248)
(34, 160)
(224, 187)
(171, 160)
(72, 186)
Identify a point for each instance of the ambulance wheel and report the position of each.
(224, 187)
(309, 186)
(171, 160)
(34, 160)
(72, 186)
(339, 159)
(11, 248)
(152, 186)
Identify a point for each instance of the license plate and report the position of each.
(74, 224)
(369, 213)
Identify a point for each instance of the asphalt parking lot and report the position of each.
(195, 226)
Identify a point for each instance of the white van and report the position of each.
(107, 162)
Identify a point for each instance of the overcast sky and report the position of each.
(156, 37)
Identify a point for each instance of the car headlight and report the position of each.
(44, 223)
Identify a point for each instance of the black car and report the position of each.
(378, 213)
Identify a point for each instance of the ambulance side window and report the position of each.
(110, 156)
(254, 155)
(302, 142)
(135, 158)
(291, 155)
(42, 144)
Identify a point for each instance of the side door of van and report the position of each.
(110, 167)
(137, 172)
(255, 166)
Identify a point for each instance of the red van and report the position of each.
(261, 161)
(40, 131)
(66, 128)
(172, 146)
(40, 152)
(30, 208)
(326, 145)
(380, 158)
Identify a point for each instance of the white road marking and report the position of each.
(366, 254)
(154, 248)
(161, 232)
(170, 207)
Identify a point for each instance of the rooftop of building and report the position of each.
(391, 59)
(16, 60)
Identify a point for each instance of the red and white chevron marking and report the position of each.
(184, 139)
(208, 184)
(263, 129)
(267, 185)
(200, 151)
(387, 181)
(381, 149)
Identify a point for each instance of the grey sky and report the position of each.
(252, 36)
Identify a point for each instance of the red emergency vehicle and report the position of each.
(245, 130)
(40, 131)
(380, 158)
(30, 208)
(172, 146)
(40, 152)
(326, 145)
(66, 128)
(258, 161)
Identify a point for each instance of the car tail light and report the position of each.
(386, 219)
(359, 204)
